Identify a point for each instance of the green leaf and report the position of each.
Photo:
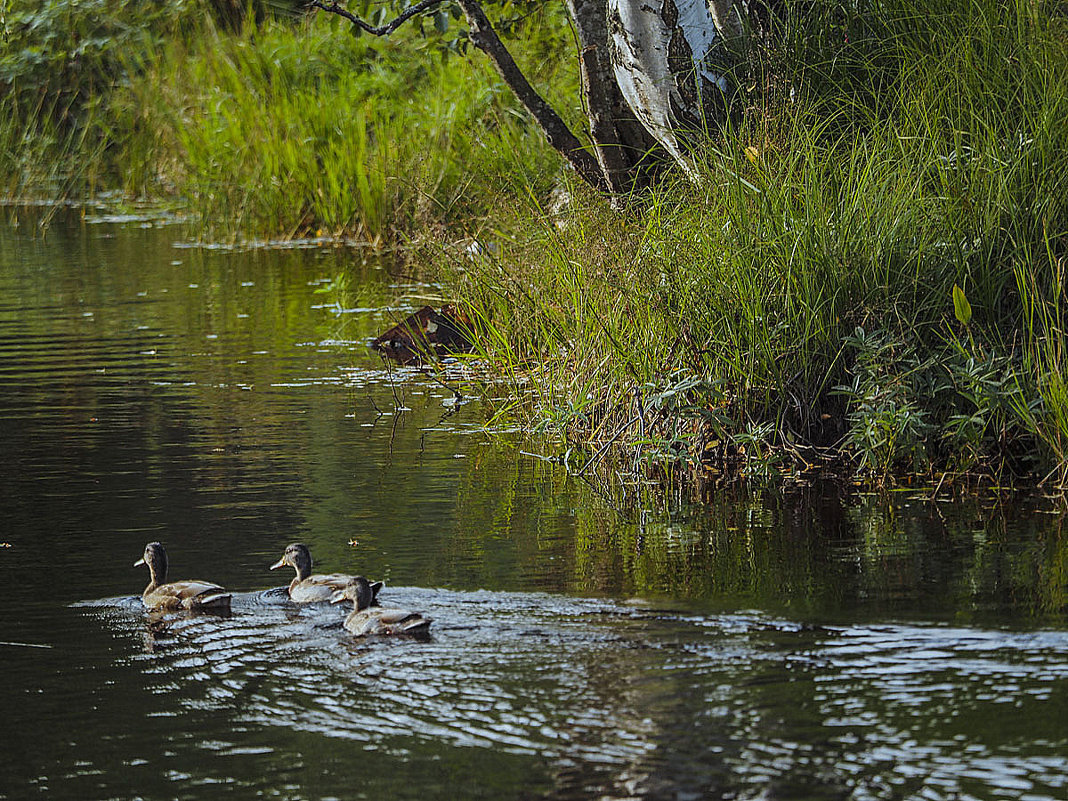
(961, 307)
(441, 21)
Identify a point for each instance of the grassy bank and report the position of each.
(869, 278)
(872, 275)
(289, 130)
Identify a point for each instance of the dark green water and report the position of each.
(767, 645)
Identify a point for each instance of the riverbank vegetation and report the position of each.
(264, 124)
(868, 278)
(871, 274)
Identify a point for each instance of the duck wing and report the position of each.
(190, 594)
(317, 587)
(322, 586)
(387, 621)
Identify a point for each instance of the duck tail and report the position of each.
(214, 600)
(376, 587)
(417, 624)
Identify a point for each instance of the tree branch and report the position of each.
(383, 30)
(485, 38)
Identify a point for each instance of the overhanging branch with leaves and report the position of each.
(485, 38)
(381, 30)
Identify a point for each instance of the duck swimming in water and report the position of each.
(190, 594)
(308, 588)
(365, 619)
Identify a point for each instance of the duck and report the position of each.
(364, 619)
(190, 594)
(307, 588)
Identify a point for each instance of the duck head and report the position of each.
(155, 556)
(298, 557)
(359, 591)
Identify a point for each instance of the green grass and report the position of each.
(61, 64)
(283, 130)
(798, 304)
(283, 127)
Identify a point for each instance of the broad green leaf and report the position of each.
(961, 307)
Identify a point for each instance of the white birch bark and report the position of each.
(661, 54)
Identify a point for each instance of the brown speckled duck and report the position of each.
(189, 594)
(307, 588)
(365, 619)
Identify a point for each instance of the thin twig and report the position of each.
(934, 495)
(549, 459)
(429, 374)
(601, 451)
(382, 30)
(639, 412)
(392, 386)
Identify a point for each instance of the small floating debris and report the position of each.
(426, 333)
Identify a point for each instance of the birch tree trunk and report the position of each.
(626, 151)
(667, 58)
(651, 82)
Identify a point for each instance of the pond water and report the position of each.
(767, 644)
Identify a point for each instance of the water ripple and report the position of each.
(626, 700)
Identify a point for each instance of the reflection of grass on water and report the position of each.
(819, 558)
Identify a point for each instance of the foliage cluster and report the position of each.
(799, 303)
(59, 59)
(282, 130)
(264, 121)
(873, 265)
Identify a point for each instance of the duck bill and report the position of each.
(280, 563)
(139, 562)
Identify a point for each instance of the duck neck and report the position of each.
(157, 575)
(301, 575)
(303, 568)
